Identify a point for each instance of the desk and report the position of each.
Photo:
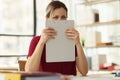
(96, 75)
(99, 76)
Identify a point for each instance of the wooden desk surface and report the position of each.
(9, 68)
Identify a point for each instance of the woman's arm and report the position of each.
(81, 60)
(33, 61)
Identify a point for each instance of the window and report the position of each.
(16, 26)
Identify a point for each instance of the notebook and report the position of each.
(60, 49)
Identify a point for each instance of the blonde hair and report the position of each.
(54, 5)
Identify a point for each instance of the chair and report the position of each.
(21, 65)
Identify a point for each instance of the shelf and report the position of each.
(97, 2)
(104, 46)
(101, 23)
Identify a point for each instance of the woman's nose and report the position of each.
(59, 18)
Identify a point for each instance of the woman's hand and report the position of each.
(71, 33)
(47, 33)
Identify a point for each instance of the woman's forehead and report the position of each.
(61, 11)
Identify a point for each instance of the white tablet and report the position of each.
(60, 49)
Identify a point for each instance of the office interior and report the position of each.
(98, 22)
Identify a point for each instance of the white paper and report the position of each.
(93, 78)
(2, 76)
(60, 49)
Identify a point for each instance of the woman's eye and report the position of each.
(59, 17)
(63, 17)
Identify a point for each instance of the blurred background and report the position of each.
(98, 22)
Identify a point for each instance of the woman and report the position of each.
(56, 10)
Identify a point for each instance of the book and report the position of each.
(29, 76)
